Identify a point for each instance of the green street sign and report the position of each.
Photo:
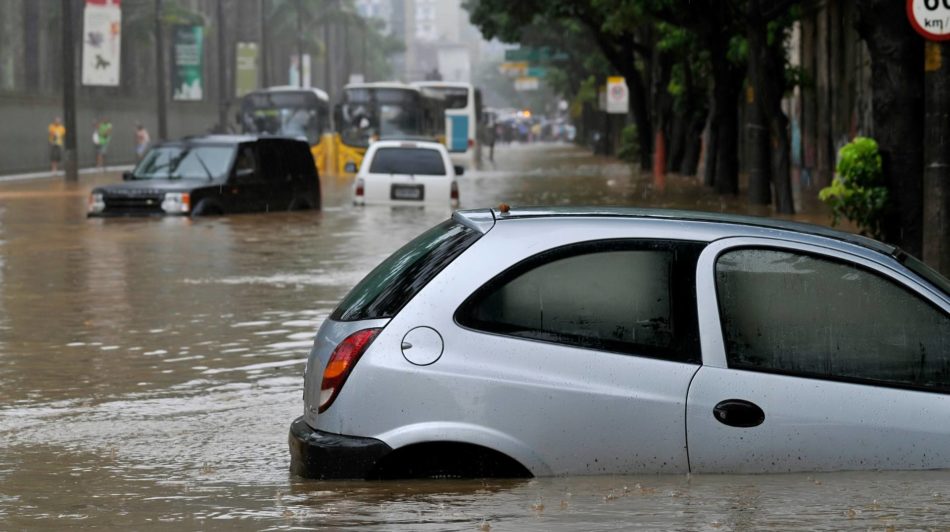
(535, 55)
(536, 72)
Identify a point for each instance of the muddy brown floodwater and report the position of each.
(150, 369)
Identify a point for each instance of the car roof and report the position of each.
(409, 143)
(442, 84)
(319, 93)
(225, 139)
(381, 85)
(484, 219)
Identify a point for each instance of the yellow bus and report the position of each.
(384, 110)
(294, 112)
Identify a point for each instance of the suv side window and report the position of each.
(245, 167)
(628, 296)
(795, 313)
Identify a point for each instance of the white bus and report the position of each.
(463, 113)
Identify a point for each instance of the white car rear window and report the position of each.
(412, 161)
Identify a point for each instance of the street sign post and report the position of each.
(513, 68)
(535, 55)
(526, 84)
(617, 95)
(930, 18)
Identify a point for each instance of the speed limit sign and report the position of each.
(931, 18)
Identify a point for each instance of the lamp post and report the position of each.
(70, 166)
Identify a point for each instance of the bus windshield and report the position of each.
(455, 97)
(291, 114)
(377, 113)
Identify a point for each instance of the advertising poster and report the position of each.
(188, 63)
(246, 73)
(101, 42)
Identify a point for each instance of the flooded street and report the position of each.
(150, 369)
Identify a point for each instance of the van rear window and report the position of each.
(412, 161)
(391, 285)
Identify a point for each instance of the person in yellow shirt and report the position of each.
(57, 132)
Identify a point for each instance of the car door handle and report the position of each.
(738, 413)
(406, 345)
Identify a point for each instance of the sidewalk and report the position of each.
(49, 175)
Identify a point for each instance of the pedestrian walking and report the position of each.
(101, 138)
(57, 132)
(142, 141)
(95, 140)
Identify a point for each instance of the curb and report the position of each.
(50, 175)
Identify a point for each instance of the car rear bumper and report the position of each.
(323, 455)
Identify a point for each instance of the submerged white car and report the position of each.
(407, 172)
(536, 342)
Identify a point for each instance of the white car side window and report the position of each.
(800, 314)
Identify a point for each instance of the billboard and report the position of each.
(101, 42)
(188, 63)
(245, 79)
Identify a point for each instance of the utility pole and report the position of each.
(70, 163)
(265, 81)
(937, 156)
(363, 50)
(326, 59)
(222, 73)
(347, 70)
(160, 72)
(300, 82)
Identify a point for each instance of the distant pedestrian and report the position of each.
(57, 132)
(142, 141)
(101, 138)
(95, 139)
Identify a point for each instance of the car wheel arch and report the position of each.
(466, 433)
(207, 207)
(447, 459)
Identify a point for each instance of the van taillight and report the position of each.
(471, 143)
(359, 186)
(454, 194)
(341, 363)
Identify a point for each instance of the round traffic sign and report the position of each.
(619, 92)
(930, 18)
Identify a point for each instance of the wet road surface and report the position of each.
(150, 368)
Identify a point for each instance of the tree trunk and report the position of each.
(778, 127)
(638, 105)
(759, 152)
(757, 129)
(727, 79)
(662, 104)
(694, 145)
(678, 136)
(937, 158)
(897, 87)
(712, 148)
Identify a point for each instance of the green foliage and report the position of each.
(857, 192)
(629, 144)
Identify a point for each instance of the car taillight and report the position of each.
(341, 363)
(359, 186)
(471, 143)
(454, 194)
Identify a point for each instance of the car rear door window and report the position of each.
(396, 280)
(412, 161)
(801, 314)
(635, 297)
